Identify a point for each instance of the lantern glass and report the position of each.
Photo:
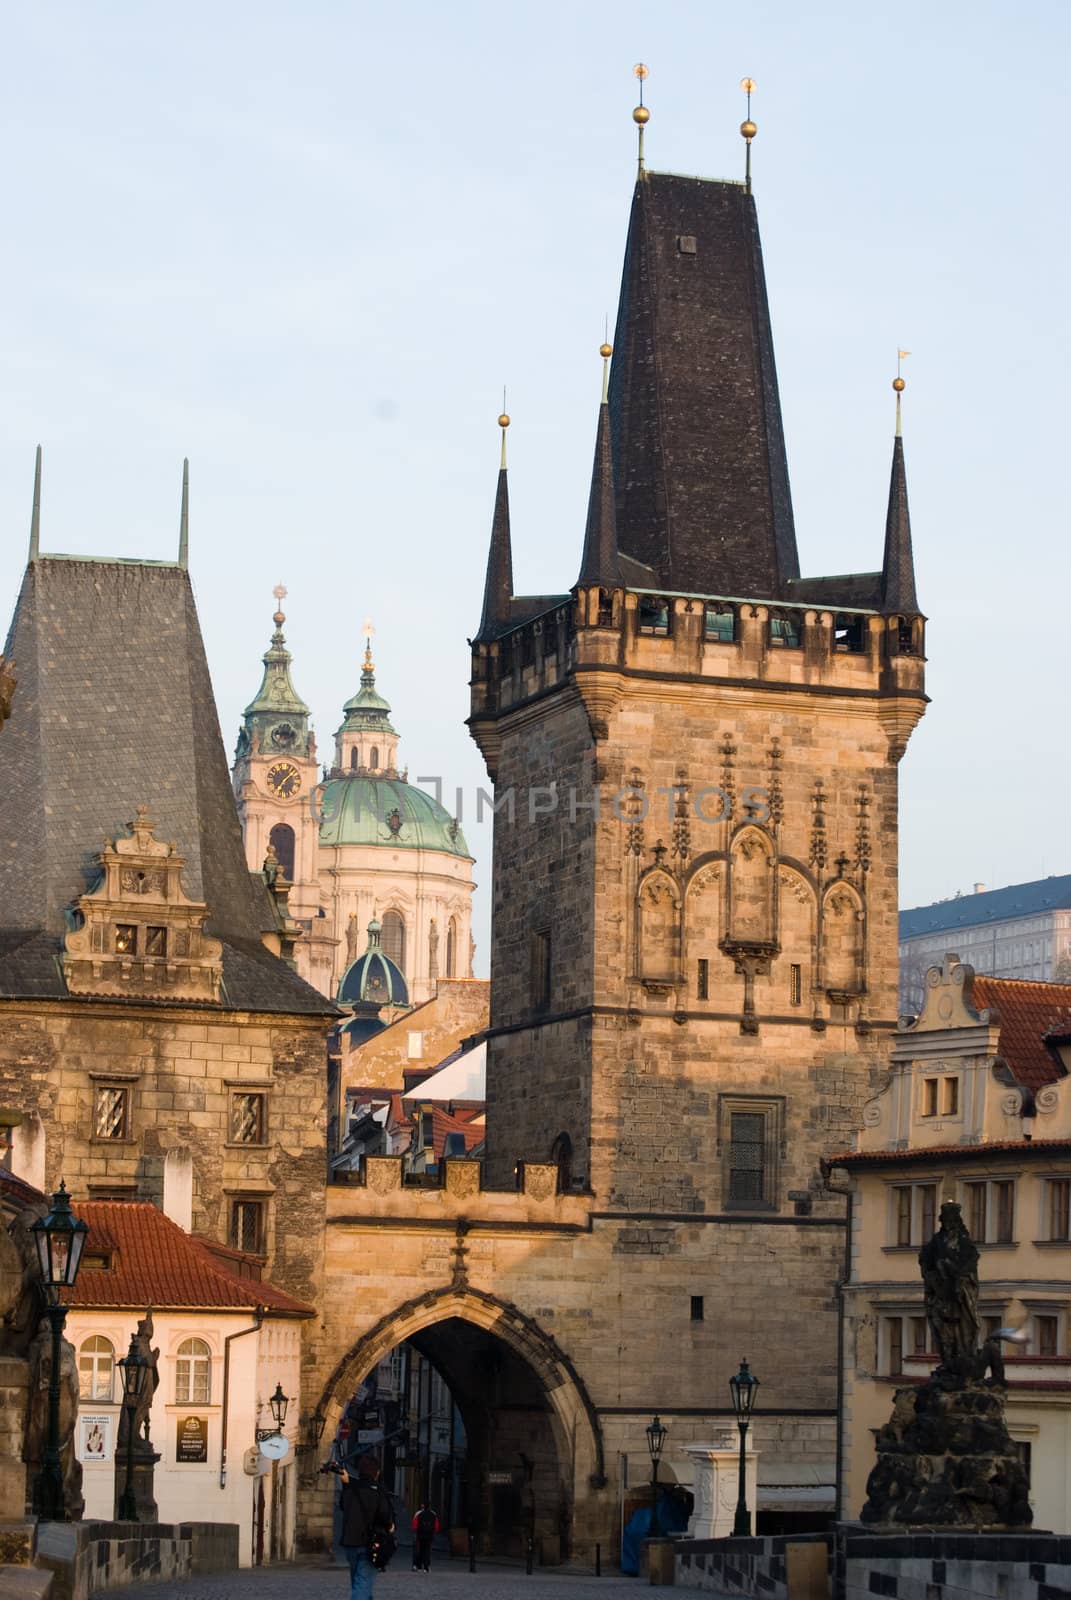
(743, 1388)
(133, 1368)
(278, 1403)
(60, 1238)
(656, 1438)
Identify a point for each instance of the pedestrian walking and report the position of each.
(367, 1515)
(425, 1527)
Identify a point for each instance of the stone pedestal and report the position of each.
(945, 1460)
(716, 1486)
(14, 1400)
(144, 1464)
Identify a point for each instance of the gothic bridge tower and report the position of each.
(695, 751)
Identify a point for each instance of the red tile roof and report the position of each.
(442, 1124)
(957, 1152)
(153, 1262)
(1026, 1011)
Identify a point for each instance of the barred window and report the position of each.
(248, 1119)
(750, 1135)
(247, 1226)
(112, 1117)
(746, 1157)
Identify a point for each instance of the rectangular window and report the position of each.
(1046, 1335)
(540, 974)
(112, 1114)
(919, 1336)
(702, 980)
(894, 1327)
(927, 1211)
(1004, 1208)
(785, 632)
(950, 1097)
(248, 1118)
(697, 1308)
(990, 1326)
(914, 1212)
(719, 624)
(795, 985)
(903, 1216)
(1059, 1200)
(416, 1046)
(247, 1226)
(929, 1097)
(746, 1157)
(126, 939)
(156, 941)
(976, 1211)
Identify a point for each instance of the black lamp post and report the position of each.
(743, 1388)
(277, 1404)
(59, 1238)
(656, 1439)
(133, 1367)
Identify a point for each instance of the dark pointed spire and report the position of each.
(35, 514)
(498, 586)
(898, 565)
(599, 564)
(184, 518)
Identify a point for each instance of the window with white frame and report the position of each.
(193, 1373)
(939, 1096)
(901, 1335)
(914, 1213)
(96, 1368)
(989, 1210)
(1045, 1334)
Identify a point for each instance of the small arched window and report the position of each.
(451, 947)
(561, 1153)
(355, 759)
(392, 938)
(281, 838)
(96, 1368)
(373, 759)
(193, 1373)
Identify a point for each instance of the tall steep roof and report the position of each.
(700, 468)
(115, 709)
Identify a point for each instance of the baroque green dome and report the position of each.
(365, 809)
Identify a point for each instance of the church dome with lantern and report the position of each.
(360, 842)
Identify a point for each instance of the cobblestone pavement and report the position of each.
(448, 1580)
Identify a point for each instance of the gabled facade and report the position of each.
(976, 1108)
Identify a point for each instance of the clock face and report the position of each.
(284, 779)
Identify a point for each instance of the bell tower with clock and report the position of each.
(275, 775)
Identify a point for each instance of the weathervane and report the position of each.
(748, 129)
(899, 385)
(641, 116)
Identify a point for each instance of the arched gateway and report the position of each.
(530, 1426)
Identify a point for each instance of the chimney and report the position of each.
(979, 888)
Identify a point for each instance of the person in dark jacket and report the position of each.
(366, 1507)
(425, 1527)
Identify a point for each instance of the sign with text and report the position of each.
(95, 1436)
(191, 1444)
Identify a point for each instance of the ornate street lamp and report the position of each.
(134, 1369)
(743, 1388)
(277, 1405)
(59, 1238)
(656, 1440)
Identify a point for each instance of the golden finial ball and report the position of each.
(641, 71)
(641, 115)
(899, 385)
(278, 619)
(748, 129)
(503, 421)
(606, 351)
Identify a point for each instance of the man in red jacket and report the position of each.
(425, 1527)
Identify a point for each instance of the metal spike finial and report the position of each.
(641, 116)
(35, 514)
(368, 631)
(503, 423)
(899, 385)
(748, 129)
(184, 518)
(606, 350)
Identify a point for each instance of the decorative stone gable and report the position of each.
(140, 935)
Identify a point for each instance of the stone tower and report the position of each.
(695, 753)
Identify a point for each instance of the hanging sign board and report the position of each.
(191, 1443)
(95, 1436)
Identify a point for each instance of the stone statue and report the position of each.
(949, 1263)
(353, 934)
(271, 867)
(945, 1458)
(142, 1343)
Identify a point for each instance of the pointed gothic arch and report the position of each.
(752, 908)
(842, 940)
(658, 927)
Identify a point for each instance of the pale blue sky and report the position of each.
(306, 245)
